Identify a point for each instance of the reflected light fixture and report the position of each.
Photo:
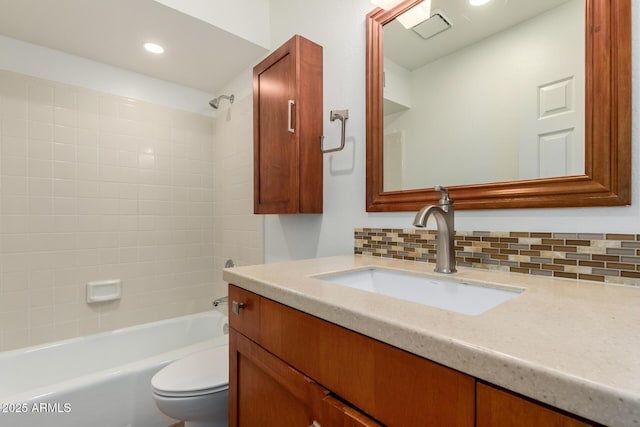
(154, 48)
(416, 14)
(386, 4)
(478, 2)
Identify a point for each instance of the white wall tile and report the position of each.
(64, 152)
(13, 165)
(89, 192)
(40, 187)
(39, 149)
(40, 92)
(15, 185)
(65, 97)
(14, 127)
(39, 130)
(13, 146)
(65, 117)
(41, 113)
(39, 168)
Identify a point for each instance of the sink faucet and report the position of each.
(443, 213)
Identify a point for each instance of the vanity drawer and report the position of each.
(497, 407)
(244, 312)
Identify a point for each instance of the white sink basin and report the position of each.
(447, 294)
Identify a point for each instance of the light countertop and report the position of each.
(572, 344)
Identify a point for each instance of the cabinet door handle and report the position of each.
(315, 424)
(237, 306)
(290, 128)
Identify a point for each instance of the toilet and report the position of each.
(195, 389)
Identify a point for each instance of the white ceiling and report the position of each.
(197, 54)
(469, 25)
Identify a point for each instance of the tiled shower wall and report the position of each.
(611, 258)
(95, 186)
(238, 233)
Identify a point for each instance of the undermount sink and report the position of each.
(448, 294)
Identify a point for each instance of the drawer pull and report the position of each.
(237, 306)
(315, 424)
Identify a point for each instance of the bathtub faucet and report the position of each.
(218, 301)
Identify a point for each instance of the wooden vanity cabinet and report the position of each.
(367, 383)
(287, 125)
(288, 368)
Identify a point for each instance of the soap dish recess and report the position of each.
(103, 290)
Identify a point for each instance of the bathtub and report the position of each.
(100, 380)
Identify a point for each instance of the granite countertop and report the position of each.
(572, 344)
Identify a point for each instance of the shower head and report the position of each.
(215, 102)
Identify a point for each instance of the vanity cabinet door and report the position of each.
(287, 125)
(264, 391)
(499, 408)
(337, 414)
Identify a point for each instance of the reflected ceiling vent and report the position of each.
(432, 26)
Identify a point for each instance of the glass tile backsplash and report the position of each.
(611, 258)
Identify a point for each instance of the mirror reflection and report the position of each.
(480, 94)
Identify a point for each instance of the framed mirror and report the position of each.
(562, 137)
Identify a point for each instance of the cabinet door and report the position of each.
(275, 147)
(499, 408)
(265, 392)
(287, 125)
(337, 414)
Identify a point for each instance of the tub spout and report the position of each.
(218, 301)
(443, 213)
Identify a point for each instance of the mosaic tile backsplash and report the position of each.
(611, 258)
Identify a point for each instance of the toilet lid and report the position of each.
(201, 373)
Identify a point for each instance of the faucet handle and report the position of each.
(444, 200)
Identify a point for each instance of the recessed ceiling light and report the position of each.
(154, 48)
(478, 2)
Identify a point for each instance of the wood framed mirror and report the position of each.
(606, 180)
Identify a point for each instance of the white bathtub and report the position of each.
(100, 380)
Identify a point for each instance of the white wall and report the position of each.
(338, 25)
(245, 18)
(38, 61)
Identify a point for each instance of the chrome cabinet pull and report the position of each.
(237, 306)
(290, 128)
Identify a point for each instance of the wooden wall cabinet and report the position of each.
(287, 125)
(288, 368)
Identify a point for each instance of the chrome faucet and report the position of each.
(218, 301)
(443, 213)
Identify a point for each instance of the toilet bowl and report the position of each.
(195, 389)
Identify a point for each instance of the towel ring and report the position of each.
(341, 115)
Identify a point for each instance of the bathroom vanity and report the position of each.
(561, 353)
